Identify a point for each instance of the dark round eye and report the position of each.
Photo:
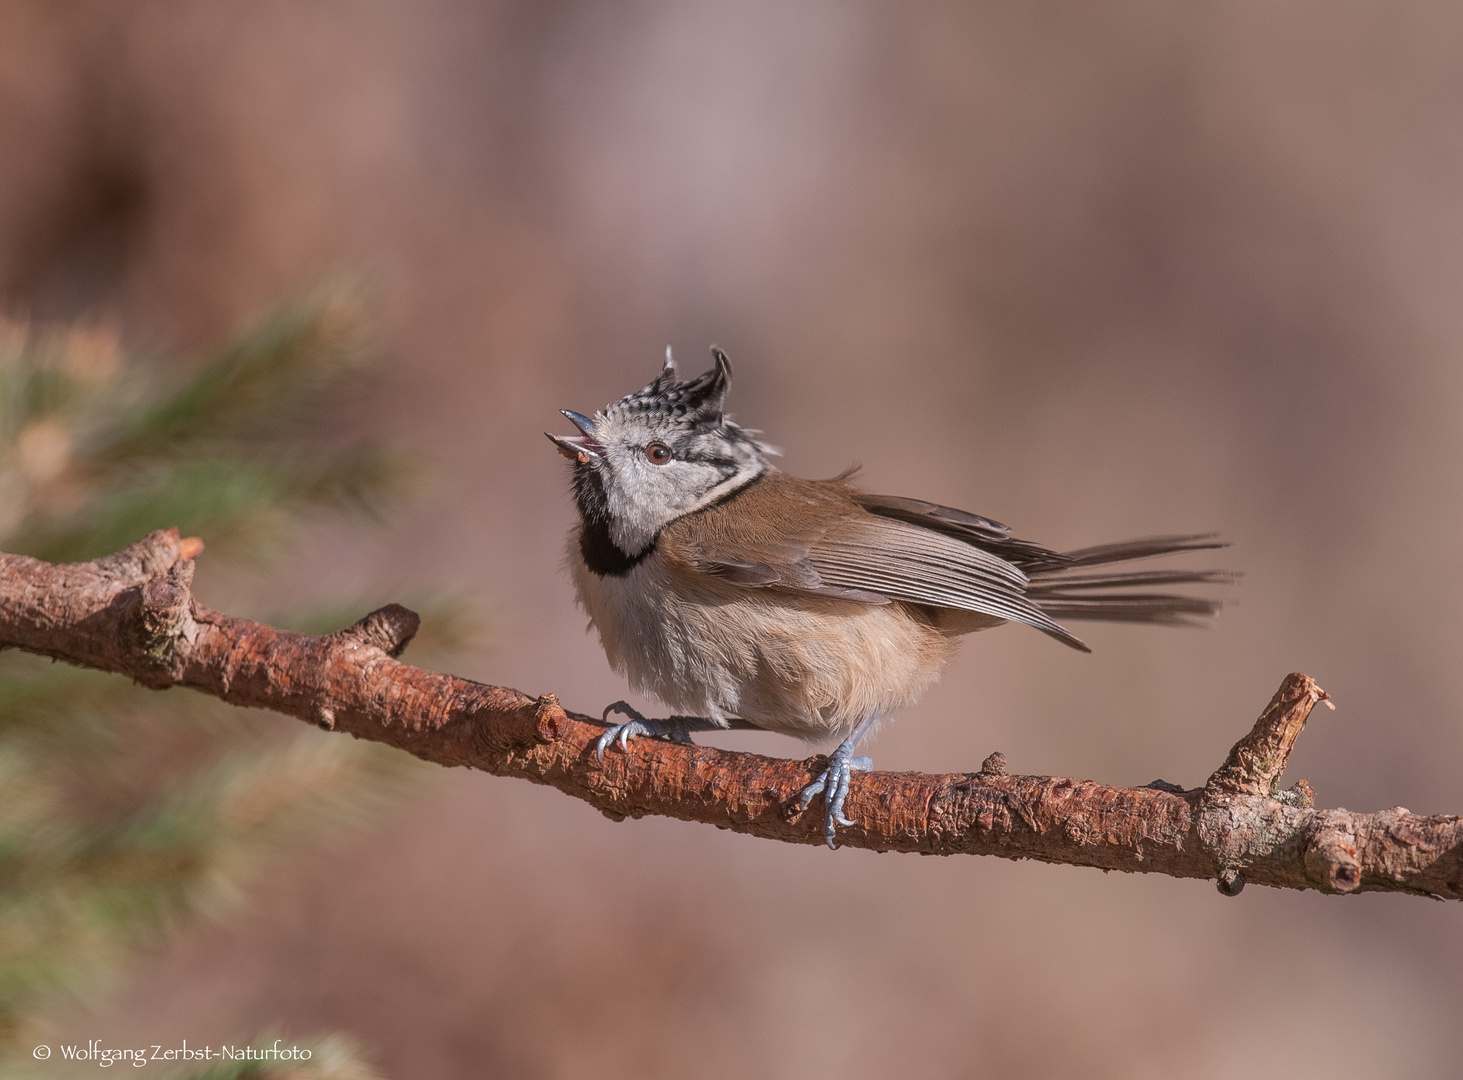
(658, 453)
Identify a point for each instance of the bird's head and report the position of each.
(660, 453)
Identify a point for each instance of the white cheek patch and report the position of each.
(642, 500)
(726, 487)
(661, 495)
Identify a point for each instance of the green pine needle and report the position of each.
(125, 813)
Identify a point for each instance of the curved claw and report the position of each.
(621, 707)
(621, 733)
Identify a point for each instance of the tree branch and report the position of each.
(133, 613)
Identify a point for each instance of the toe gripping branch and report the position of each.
(833, 783)
(675, 728)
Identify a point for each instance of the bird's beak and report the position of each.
(581, 448)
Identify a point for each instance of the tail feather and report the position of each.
(1053, 583)
(1158, 609)
(1060, 594)
(1138, 549)
(1086, 597)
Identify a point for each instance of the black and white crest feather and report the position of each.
(703, 395)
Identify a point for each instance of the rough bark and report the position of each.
(133, 613)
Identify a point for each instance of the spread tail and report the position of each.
(1127, 596)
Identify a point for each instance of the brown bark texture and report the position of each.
(133, 613)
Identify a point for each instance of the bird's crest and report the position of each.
(700, 400)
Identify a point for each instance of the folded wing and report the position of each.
(920, 566)
(829, 539)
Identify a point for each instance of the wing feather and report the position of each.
(921, 566)
(965, 526)
(828, 539)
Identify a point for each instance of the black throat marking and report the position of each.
(601, 554)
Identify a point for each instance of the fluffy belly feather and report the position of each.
(807, 667)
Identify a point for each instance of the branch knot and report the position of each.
(165, 618)
(1330, 856)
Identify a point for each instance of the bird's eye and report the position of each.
(658, 453)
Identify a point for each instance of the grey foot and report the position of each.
(832, 784)
(675, 728)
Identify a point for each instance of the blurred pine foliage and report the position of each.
(125, 812)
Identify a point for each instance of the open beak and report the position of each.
(581, 448)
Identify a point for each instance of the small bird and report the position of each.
(744, 597)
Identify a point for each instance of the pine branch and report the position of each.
(97, 447)
(244, 504)
(133, 613)
(273, 378)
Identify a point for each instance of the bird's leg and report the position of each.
(675, 728)
(832, 783)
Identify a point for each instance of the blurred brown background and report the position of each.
(1098, 270)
